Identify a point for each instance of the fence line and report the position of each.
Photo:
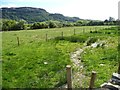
(83, 30)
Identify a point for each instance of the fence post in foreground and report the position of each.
(93, 76)
(69, 82)
(18, 41)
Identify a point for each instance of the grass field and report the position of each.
(37, 63)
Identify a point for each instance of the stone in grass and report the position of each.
(94, 45)
(98, 44)
(45, 63)
(110, 86)
(116, 75)
(115, 78)
(114, 83)
(101, 64)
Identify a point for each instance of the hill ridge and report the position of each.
(32, 14)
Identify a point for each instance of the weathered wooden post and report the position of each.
(74, 31)
(69, 81)
(18, 41)
(83, 30)
(62, 35)
(46, 37)
(95, 29)
(93, 76)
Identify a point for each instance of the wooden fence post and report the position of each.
(83, 30)
(18, 41)
(74, 31)
(93, 76)
(46, 37)
(62, 35)
(69, 82)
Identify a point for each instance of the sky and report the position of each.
(84, 9)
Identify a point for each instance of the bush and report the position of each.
(55, 24)
(39, 25)
(74, 39)
(9, 25)
(107, 32)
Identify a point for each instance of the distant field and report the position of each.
(29, 35)
(37, 63)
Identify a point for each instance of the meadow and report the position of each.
(40, 59)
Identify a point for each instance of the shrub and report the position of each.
(80, 38)
(39, 25)
(55, 24)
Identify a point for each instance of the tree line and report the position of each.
(8, 25)
(12, 25)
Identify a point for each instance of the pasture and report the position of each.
(40, 59)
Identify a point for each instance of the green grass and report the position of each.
(104, 59)
(36, 63)
(24, 66)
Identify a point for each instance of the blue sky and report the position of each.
(85, 9)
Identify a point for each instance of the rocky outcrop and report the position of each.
(113, 83)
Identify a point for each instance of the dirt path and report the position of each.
(78, 78)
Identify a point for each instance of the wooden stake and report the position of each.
(46, 37)
(62, 35)
(69, 82)
(93, 76)
(18, 41)
(83, 30)
(74, 31)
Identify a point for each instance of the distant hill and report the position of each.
(32, 15)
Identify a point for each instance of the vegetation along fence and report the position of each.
(75, 31)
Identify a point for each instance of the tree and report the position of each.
(20, 25)
(55, 24)
(79, 23)
(8, 25)
(39, 25)
(111, 19)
